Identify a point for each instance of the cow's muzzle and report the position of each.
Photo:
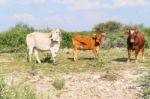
(132, 40)
(97, 41)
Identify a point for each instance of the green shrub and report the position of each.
(66, 40)
(147, 37)
(59, 83)
(14, 39)
(114, 40)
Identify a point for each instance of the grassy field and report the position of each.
(112, 59)
(110, 62)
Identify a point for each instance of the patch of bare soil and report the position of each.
(88, 85)
(4, 60)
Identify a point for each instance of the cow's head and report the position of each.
(98, 37)
(56, 35)
(132, 35)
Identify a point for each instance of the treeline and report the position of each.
(13, 40)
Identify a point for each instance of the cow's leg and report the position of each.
(54, 57)
(129, 55)
(75, 53)
(95, 53)
(37, 56)
(30, 50)
(136, 54)
(53, 52)
(142, 50)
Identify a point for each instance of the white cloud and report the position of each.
(24, 17)
(83, 4)
(79, 4)
(59, 19)
(129, 3)
(5, 1)
(23, 2)
(92, 5)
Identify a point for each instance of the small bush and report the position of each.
(110, 76)
(59, 83)
(66, 40)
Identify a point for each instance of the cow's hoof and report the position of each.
(136, 62)
(75, 60)
(54, 63)
(128, 61)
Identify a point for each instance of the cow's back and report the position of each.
(39, 40)
(82, 41)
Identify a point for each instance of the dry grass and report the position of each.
(108, 60)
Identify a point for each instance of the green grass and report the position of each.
(112, 59)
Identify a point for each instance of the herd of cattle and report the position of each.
(38, 41)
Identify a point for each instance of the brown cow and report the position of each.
(135, 41)
(86, 43)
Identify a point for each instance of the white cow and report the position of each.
(38, 41)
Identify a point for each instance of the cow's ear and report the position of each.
(126, 33)
(103, 34)
(59, 33)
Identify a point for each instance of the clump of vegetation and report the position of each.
(59, 83)
(19, 56)
(13, 40)
(147, 37)
(19, 90)
(2, 88)
(66, 40)
(110, 76)
(146, 85)
(109, 26)
(101, 60)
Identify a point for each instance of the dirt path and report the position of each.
(87, 85)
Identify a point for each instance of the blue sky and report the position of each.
(72, 15)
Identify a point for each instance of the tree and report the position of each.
(100, 27)
(139, 27)
(109, 26)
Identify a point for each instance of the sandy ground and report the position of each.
(87, 85)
